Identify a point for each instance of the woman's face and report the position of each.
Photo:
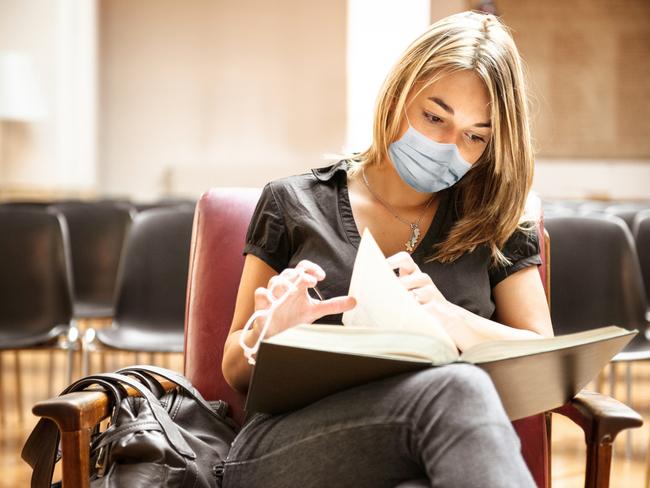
(455, 109)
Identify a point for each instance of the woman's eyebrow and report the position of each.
(450, 110)
(444, 106)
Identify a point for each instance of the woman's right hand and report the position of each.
(297, 307)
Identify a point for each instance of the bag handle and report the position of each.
(147, 380)
(176, 378)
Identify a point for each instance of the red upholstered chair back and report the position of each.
(216, 261)
(220, 223)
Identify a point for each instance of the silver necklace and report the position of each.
(412, 242)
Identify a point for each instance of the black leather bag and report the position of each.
(162, 439)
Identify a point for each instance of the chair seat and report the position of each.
(130, 338)
(14, 339)
(92, 310)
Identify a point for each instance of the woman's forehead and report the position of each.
(460, 92)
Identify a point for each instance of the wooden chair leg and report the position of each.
(76, 461)
(19, 387)
(647, 468)
(599, 459)
(2, 396)
(628, 400)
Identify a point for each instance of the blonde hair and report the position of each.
(492, 196)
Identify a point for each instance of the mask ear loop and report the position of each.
(265, 314)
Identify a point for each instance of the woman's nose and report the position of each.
(447, 137)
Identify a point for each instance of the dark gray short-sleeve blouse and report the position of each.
(309, 217)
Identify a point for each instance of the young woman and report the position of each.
(442, 188)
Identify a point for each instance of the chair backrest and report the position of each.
(642, 238)
(152, 279)
(627, 211)
(97, 232)
(596, 277)
(220, 223)
(165, 202)
(35, 288)
(216, 262)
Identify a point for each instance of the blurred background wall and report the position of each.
(154, 98)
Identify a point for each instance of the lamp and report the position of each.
(20, 96)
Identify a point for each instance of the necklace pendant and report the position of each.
(413, 240)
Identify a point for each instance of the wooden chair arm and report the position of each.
(76, 415)
(81, 410)
(601, 418)
(75, 411)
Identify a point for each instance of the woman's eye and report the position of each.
(432, 118)
(475, 138)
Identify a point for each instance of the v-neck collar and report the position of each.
(424, 247)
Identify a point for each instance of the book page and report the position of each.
(373, 341)
(505, 349)
(383, 302)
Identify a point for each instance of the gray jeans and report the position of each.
(444, 424)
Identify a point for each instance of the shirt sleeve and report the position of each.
(267, 236)
(522, 249)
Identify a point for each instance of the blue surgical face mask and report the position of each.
(427, 166)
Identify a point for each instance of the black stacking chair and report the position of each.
(97, 234)
(164, 203)
(597, 282)
(627, 211)
(35, 288)
(596, 278)
(642, 239)
(150, 304)
(589, 206)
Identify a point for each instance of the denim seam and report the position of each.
(406, 424)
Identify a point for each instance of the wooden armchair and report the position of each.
(220, 223)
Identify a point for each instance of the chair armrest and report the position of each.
(82, 409)
(601, 417)
(75, 411)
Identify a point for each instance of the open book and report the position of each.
(389, 333)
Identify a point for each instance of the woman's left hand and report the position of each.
(419, 284)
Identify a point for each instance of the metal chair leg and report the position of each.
(50, 374)
(102, 361)
(628, 397)
(612, 380)
(69, 373)
(19, 386)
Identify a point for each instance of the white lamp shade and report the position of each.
(20, 95)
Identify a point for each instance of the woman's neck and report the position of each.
(384, 180)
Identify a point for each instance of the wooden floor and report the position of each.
(568, 444)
